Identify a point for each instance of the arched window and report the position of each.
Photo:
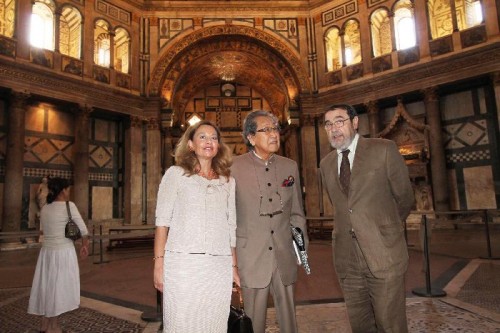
(469, 13)
(122, 50)
(70, 32)
(440, 20)
(42, 25)
(352, 42)
(102, 44)
(404, 24)
(333, 49)
(381, 32)
(7, 17)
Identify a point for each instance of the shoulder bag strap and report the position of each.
(67, 208)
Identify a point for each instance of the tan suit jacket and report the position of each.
(262, 239)
(379, 200)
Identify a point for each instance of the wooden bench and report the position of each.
(130, 234)
(18, 236)
(319, 226)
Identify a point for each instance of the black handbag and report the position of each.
(71, 230)
(238, 321)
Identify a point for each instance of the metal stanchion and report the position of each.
(101, 250)
(155, 316)
(488, 237)
(428, 291)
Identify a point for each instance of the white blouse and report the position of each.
(200, 213)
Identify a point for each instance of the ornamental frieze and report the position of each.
(181, 46)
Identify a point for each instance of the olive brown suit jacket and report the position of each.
(379, 200)
(264, 241)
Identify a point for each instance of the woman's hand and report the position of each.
(158, 274)
(236, 276)
(84, 252)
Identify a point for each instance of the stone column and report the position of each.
(373, 118)
(112, 35)
(495, 80)
(310, 164)
(14, 162)
(81, 161)
(342, 45)
(57, 30)
(153, 166)
(437, 154)
(133, 172)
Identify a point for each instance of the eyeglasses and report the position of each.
(337, 123)
(269, 130)
(271, 209)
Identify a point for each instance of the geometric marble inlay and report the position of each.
(479, 155)
(466, 134)
(101, 157)
(47, 150)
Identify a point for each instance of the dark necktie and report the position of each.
(345, 171)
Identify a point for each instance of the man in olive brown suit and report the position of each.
(268, 200)
(369, 186)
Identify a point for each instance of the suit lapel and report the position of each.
(359, 159)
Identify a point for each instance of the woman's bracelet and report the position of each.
(158, 257)
(235, 266)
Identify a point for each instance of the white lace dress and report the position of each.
(198, 276)
(56, 283)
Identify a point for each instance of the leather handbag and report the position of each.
(238, 321)
(71, 230)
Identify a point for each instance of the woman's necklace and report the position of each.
(211, 174)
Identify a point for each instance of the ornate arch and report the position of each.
(250, 42)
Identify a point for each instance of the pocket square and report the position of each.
(288, 182)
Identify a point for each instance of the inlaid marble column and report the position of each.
(437, 153)
(133, 172)
(13, 186)
(153, 166)
(373, 118)
(81, 161)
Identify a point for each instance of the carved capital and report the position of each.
(135, 121)
(310, 119)
(372, 107)
(19, 99)
(495, 78)
(152, 124)
(430, 95)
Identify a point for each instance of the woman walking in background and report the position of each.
(194, 253)
(56, 284)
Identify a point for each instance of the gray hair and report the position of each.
(250, 125)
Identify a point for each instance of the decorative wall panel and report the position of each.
(286, 28)
(339, 12)
(115, 12)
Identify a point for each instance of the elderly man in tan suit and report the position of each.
(268, 200)
(368, 183)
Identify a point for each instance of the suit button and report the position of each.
(271, 215)
(270, 248)
(272, 232)
(270, 199)
(267, 169)
(268, 184)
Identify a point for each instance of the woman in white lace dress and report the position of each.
(194, 254)
(56, 283)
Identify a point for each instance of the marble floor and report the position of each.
(117, 289)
